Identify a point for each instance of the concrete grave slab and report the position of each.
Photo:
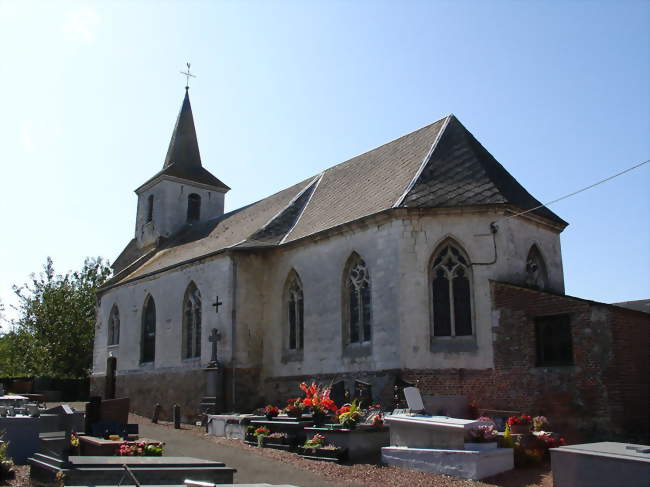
(465, 464)
(418, 431)
(601, 464)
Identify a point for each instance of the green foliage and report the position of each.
(53, 335)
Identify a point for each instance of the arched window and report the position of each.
(357, 303)
(193, 207)
(295, 312)
(192, 322)
(148, 339)
(149, 208)
(451, 287)
(114, 326)
(536, 276)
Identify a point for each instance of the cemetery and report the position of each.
(322, 424)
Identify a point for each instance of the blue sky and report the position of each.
(558, 92)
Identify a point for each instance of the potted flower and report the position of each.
(271, 412)
(6, 464)
(482, 437)
(520, 425)
(317, 449)
(294, 408)
(540, 423)
(261, 433)
(277, 440)
(349, 415)
(318, 400)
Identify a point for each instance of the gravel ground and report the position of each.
(363, 474)
(334, 474)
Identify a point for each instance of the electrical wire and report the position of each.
(576, 192)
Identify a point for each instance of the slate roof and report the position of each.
(183, 159)
(440, 165)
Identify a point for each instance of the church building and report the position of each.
(411, 261)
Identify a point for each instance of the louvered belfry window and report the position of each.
(359, 302)
(148, 340)
(451, 290)
(192, 322)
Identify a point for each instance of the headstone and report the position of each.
(413, 399)
(93, 415)
(337, 394)
(116, 410)
(363, 393)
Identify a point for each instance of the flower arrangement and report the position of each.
(376, 419)
(551, 440)
(524, 419)
(140, 449)
(6, 464)
(317, 399)
(74, 440)
(271, 411)
(294, 408)
(483, 433)
(261, 433)
(349, 415)
(540, 423)
(318, 441)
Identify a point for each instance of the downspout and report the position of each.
(233, 334)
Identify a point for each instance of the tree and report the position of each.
(54, 333)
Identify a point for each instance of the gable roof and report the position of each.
(183, 159)
(440, 165)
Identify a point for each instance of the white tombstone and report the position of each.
(413, 399)
(428, 431)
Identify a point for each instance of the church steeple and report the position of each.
(183, 146)
(183, 192)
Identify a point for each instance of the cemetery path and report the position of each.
(251, 468)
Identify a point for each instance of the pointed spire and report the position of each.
(183, 146)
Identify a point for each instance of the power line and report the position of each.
(578, 191)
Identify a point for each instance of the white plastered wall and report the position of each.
(213, 278)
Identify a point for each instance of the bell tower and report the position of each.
(183, 192)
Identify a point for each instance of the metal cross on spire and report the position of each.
(188, 75)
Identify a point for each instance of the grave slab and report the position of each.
(466, 464)
(418, 431)
(147, 470)
(362, 444)
(601, 464)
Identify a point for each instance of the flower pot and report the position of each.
(520, 429)
(319, 419)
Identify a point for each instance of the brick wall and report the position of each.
(603, 395)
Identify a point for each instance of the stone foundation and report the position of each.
(182, 387)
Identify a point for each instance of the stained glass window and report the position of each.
(359, 301)
(114, 326)
(148, 347)
(451, 292)
(295, 312)
(192, 322)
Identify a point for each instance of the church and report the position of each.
(422, 259)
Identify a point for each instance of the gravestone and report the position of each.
(363, 393)
(337, 394)
(413, 399)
